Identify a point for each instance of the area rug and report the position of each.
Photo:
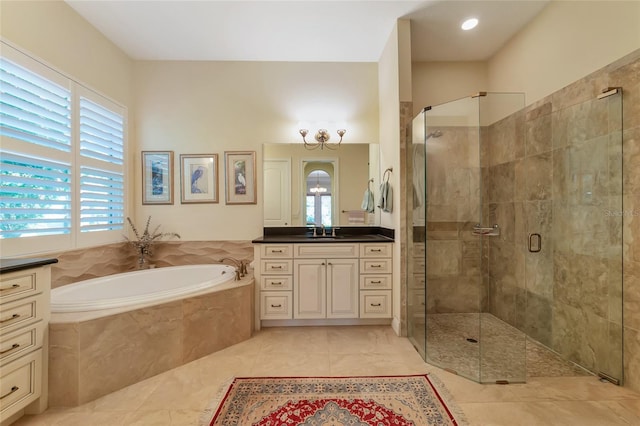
(417, 400)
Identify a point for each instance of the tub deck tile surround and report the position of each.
(92, 358)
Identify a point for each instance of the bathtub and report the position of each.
(139, 287)
(111, 332)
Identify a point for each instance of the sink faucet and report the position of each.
(241, 266)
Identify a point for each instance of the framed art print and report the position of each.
(157, 177)
(240, 177)
(198, 178)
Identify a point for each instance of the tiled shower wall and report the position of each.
(551, 169)
(83, 264)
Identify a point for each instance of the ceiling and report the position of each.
(304, 30)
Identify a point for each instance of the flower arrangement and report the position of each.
(143, 243)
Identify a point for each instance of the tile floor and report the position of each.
(178, 397)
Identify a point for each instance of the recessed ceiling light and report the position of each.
(469, 24)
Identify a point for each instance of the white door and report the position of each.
(342, 288)
(277, 192)
(309, 288)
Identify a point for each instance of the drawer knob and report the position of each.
(13, 287)
(13, 389)
(376, 304)
(276, 251)
(276, 283)
(13, 347)
(276, 267)
(276, 306)
(376, 282)
(14, 316)
(376, 250)
(376, 266)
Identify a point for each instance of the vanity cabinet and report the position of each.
(276, 281)
(375, 280)
(24, 316)
(324, 282)
(325, 288)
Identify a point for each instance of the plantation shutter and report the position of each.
(35, 161)
(35, 196)
(34, 109)
(101, 171)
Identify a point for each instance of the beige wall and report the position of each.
(55, 33)
(565, 42)
(213, 107)
(435, 83)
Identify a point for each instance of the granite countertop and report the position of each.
(303, 235)
(12, 265)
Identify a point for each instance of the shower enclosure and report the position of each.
(515, 244)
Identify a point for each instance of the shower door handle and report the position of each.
(535, 243)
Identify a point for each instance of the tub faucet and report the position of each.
(241, 266)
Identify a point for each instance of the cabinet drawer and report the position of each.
(321, 250)
(276, 266)
(14, 315)
(375, 249)
(375, 266)
(276, 250)
(375, 282)
(15, 344)
(375, 304)
(17, 285)
(276, 282)
(275, 305)
(20, 383)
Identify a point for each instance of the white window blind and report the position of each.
(101, 170)
(35, 196)
(101, 200)
(34, 109)
(62, 160)
(101, 132)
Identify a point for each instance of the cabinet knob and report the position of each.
(14, 316)
(13, 347)
(13, 287)
(13, 389)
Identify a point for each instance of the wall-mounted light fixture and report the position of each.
(322, 139)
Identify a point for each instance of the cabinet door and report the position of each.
(342, 288)
(309, 288)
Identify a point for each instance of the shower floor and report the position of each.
(507, 353)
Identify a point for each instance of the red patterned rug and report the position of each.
(334, 401)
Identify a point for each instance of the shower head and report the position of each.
(434, 134)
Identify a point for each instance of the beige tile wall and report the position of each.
(93, 358)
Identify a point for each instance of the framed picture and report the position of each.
(157, 177)
(199, 178)
(240, 177)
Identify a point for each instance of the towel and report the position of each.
(367, 201)
(386, 197)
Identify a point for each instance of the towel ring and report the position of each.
(387, 174)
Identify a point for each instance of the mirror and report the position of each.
(289, 182)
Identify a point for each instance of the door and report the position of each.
(342, 288)
(277, 192)
(309, 289)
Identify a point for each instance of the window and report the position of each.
(61, 160)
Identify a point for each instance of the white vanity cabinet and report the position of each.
(24, 316)
(324, 283)
(325, 288)
(375, 280)
(274, 272)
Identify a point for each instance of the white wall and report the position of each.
(213, 107)
(567, 41)
(394, 66)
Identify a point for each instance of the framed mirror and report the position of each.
(291, 174)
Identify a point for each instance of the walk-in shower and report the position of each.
(514, 266)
